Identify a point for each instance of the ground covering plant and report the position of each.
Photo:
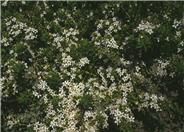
(92, 66)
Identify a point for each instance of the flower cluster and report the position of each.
(103, 34)
(16, 28)
(176, 24)
(146, 26)
(181, 45)
(161, 68)
(151, 101)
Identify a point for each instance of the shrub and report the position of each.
(92, 66)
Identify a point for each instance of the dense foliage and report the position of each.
(92, 66)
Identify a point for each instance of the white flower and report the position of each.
(83, 61)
